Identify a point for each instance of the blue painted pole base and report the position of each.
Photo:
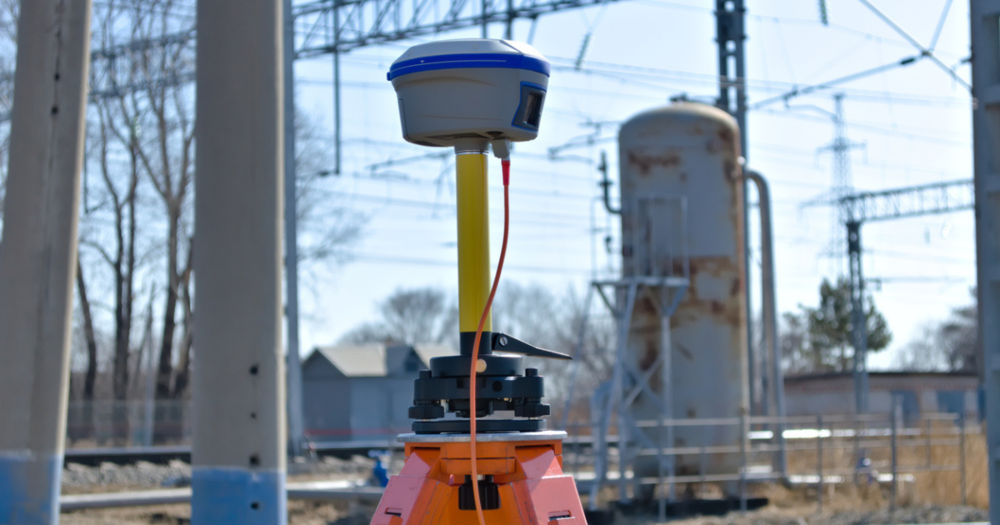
(29, 488)
(230, 495)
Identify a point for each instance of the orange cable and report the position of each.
(505, 163)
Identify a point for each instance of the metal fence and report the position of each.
(822, 451)
(873, 449)
(128, 423)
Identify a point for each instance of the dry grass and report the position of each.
(915, 487)
(944, 488)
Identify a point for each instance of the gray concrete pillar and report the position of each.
(296, 427)
(239, 401)
(38, 254)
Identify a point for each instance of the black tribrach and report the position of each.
(502, 384)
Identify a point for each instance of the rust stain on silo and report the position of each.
(726, 135)
(645, 163)
(730, 310)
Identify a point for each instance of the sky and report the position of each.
(912, 126)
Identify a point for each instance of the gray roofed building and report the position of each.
(362, 392)
(918, 392)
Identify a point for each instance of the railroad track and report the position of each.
(164, 454)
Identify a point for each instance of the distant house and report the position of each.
(918, 392)
(361, 392)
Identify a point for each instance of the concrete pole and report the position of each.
(38, 254)
(336, 90)
(295, 423)
(985, 33)
(238, 448)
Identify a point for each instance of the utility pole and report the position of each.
(859, 321)
(38, 254)
(859, 208)
(984, 16)
(730, 18)
(843, 184)
(336, 90)
(296, 429)
(509, 29)
(238, 447)
(485, 10)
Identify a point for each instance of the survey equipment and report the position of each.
(471, 95)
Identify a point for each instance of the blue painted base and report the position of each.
(229, 495)
(29, 489)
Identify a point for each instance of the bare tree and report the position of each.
(8, 51)
(328, 229)
(147, 118)
(163, 111)
(797, 355)
(539, 317)
(922, 355)
(951, 345)
(410, 316)
(120, 195)
(91, 341)
(959, 336)
(183, 375)
(530, 313)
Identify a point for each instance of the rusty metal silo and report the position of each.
(690, 153)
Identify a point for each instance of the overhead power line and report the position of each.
(910, 279)
(927, 52)
(656, 78)
(798, 92)
(876, 129)
(368, 22)
(940, 25)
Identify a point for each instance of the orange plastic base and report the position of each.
(533, 488)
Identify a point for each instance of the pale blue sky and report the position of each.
(915, 122)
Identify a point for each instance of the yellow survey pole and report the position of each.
(473, 240)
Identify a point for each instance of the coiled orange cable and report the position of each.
(505, 164)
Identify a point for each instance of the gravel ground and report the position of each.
(299, 513)
(770, 516)
(109, 477)
(144, 476)
(77, 479)
(314, 513)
